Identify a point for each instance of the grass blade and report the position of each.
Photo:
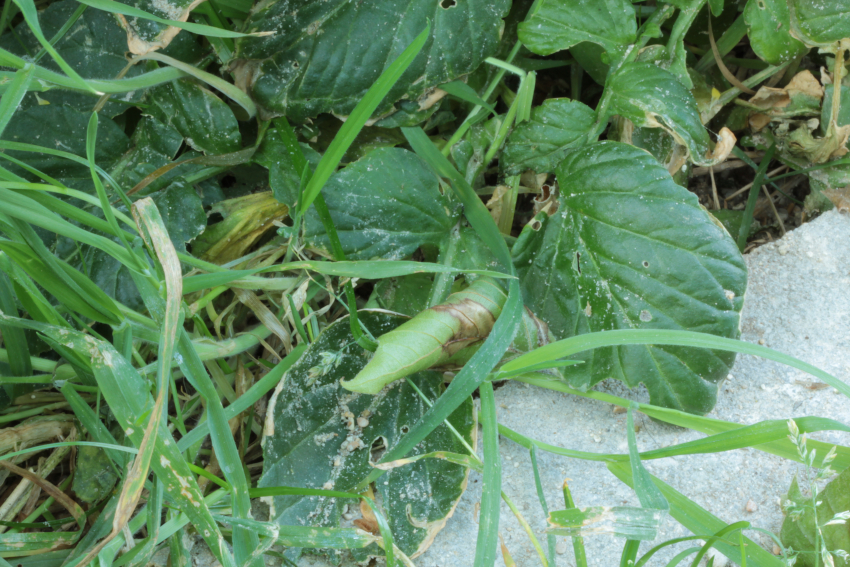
(14, 94)
(550, 539)
(747, 219)
(572, 345)
(578, 542)
(768, 436)
(647, 492)
(227, 89)
(127, 394)
(224, 445)
(491, 488)
(364, 269)
(464, 92)
(700, 521)
(28, 210)
(208, 31)
(358, 117)
(91, 142)
(13, 338)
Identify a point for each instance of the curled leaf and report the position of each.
(432, 337)
(246, 220)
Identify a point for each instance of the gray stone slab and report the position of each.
(798, 302)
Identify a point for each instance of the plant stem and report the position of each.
(527, 529)
(578, 541)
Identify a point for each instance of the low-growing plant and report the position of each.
(257, 261)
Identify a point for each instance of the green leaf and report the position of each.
(556, 127)
(95, 475)
(355, 122)
(28, 11)
(204, 120)
(629, 249)
(491, 484)
(801, 532)
(843, 117)
(145, 35)
(407, 295)
(94, 46)
(432, 337)
(325, 55)
(561, 24)
(769, 24)
(621, 521)
(325, 436)
(589, 57)
(284, 176)
(385, 205)
(652, 97)
(63, 127)
(464, 92)
(702, 522)
(115, 8)
(246, 220)
(820, 23)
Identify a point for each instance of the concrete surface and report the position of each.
(798, 302)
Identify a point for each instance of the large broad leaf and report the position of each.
(769, 24)
(820, 23)
(801, 532)
(630, 249)
(407, 295)
(204, 120)
(386, 205)
(561, 24)
(652, 97)
(94, 47)
(63, 128)
(325, 55)
(556, 126)
(144, 35)
(320, 435)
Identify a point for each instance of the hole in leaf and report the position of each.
(535, 225)
(645, 264)
(578, 262)
(377, 450)
(295, 65)
(228, 181)
(545, 193)
(404, 429)
(446, 4)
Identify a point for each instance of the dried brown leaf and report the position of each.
(767, 98)
(805, 83)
